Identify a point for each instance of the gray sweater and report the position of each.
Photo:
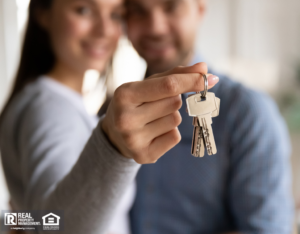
(52, 161)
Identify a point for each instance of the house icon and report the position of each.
(51, 219)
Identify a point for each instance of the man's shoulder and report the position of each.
(243, 107)
(242, 99)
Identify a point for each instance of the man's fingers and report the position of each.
(167, 86)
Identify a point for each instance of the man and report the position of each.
(246, 186)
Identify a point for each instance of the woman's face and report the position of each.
(84, 33)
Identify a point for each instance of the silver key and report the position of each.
(204, 107)
(197, 149)
(210, 145)
(197, 142)
(209, 105)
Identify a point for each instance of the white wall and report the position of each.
(9, 48)
(256, 41)
(9, 45)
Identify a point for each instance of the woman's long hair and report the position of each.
(37, 56)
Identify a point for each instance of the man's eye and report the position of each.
(85, 11)
(117, 16)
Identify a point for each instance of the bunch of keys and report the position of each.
(202, 107)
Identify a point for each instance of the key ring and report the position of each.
(205, 86)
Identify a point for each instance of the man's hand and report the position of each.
(142, 118)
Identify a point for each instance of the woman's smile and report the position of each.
(96, 50)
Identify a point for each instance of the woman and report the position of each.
(45, 126)
(56, 156)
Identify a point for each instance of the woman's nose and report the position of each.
(104, 26)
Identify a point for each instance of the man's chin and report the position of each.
(161, 65)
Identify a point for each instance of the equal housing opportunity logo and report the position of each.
(32, 220)
(51, 222)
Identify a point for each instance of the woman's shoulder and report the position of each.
(38, 95)
(37, 104)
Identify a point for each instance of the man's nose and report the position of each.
(158, 23)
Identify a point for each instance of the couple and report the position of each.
(57, 157)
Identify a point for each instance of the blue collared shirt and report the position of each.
(245, 187)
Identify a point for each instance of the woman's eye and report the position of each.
(83, 10)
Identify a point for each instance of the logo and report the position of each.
(32, 220)
(51, 222)
(10, 219)
(51, 219)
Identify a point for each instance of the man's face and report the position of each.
(164, 31)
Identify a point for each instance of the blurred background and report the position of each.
(257, 42)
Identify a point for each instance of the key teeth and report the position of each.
(201, 138)
(196, 144)
(206, 136)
